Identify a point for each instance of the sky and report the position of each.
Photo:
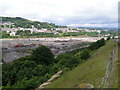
(82, 13)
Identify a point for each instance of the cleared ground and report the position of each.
(58, 45)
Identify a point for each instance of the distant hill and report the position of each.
(25, 23)
(100, 28)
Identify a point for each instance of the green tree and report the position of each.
(108, 38)
(43, 55)
(85, 55)
(96, 45)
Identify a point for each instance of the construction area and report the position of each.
(16, 48)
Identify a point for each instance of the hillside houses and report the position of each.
(35, 30)
(57, 31)
(89, 30)
(6, 23)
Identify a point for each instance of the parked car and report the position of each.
(19, 45)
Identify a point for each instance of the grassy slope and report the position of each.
(91, 71)
(119, 65)
(113, 78)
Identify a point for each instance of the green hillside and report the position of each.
(91, 71)
(25, 23)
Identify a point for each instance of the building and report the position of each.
(12, 34)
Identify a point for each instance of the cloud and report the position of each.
(63, 12)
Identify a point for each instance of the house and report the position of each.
(12, 34)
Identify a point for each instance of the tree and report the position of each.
(85, 54)
(108, 38)
(43, 55)
(96, 45)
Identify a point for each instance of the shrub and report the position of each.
(43, 55)
(85, 55)
(96, 45)
(108, 38)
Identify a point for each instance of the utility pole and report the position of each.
(0, 23)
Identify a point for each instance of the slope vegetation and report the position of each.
(25, 23)
(91, 71)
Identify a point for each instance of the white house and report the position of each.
(12, 34)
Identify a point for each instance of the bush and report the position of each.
(96, 45)
(43, 55)
(108, 38)
(85, 55)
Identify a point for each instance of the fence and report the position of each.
(108, 71)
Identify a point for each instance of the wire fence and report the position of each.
(108, 71)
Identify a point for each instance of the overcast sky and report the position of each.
(92, 13)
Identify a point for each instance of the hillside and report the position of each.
(25, 23)
(92, 71)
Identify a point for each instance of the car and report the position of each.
(18, 45)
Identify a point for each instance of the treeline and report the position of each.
(112, 32)
(3, 34)
(93, 34)
(27, 33)
(31, 71)
(96, 45)
(24, 23)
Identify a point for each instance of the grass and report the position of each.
(91, 71)
(113, 78)
(118, 66)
